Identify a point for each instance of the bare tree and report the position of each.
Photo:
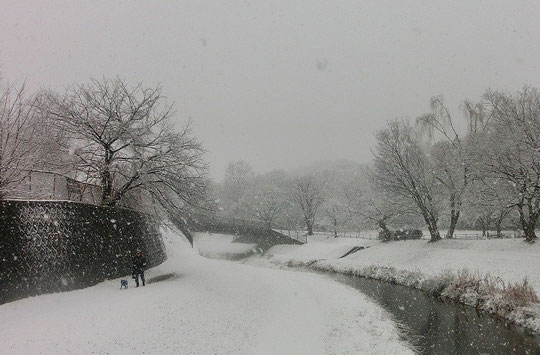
(488, 203)
(376, 207)
(451, 158)
(26, 137)
(338, 213)
(452, 171)
(369, 206)
(268, 196)
(237, 184)
(267, 203)
(402, 168)
(122, 138)
(290, 217)
(177, 178)
(513, 150)
(307, 194)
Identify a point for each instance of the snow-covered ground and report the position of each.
(220, 246)
(510, 259)
(200, 306)
(475, 272)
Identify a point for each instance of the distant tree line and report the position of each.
(425, 172)
(323, 197)
(120, 137)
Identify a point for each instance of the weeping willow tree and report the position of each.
(476, 116)
(449, 154)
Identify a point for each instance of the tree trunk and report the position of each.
(434, 233)
(431, 222)
(309, 228)
(387, 233)
(528, 224)
(106, 179)
(106, 187)
(455, 211)
(484, 227)
(530, 235)
(112, 201)
(454, 217)
(498, 225)
(335, 228)
(498, 228)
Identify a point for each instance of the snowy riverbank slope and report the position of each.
(200, 306)
(510, 259)
(487, 274)
(220, 246)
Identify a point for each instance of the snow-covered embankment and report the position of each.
(201, 306)
(487, 274)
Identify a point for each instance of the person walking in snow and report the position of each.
(139, 265)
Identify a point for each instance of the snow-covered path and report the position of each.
(206, 307)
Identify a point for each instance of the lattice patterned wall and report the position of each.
(59, 246)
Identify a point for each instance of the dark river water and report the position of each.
(438, 327)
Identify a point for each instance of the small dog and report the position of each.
(123, 283)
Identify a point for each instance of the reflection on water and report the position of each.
(438, 327)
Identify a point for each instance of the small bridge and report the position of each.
(247, 231)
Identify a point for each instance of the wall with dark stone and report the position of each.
(52, 246)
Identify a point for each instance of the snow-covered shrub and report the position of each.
(436, 285)
(407, 234)
(519, 294)
(408, 278)
(489, 293)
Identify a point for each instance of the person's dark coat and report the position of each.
(139, 264)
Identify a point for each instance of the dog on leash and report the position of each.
(123, 283)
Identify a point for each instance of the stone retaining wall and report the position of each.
(54, 246)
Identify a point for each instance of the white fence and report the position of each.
(373, 234)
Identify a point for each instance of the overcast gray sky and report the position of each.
(280, 83)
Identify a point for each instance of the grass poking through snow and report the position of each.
(517, 302)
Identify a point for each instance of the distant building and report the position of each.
(44, 185)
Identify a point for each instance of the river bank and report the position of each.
(495, 276)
